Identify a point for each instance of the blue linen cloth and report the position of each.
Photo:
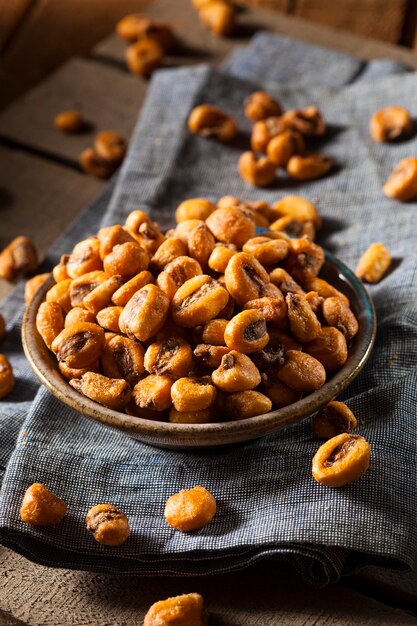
(269, 505)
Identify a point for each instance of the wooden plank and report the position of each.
(108, 98)
(50, 596)
(206, 47)
(357, 16)
(39, 199)
(11, 14)
(51, 33)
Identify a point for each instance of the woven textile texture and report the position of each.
(268, 504)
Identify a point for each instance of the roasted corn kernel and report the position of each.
(108, 524)
(373, 263)
(341, 460)
(40, 507)
(333, 419)
(190, 509)
(210, 121)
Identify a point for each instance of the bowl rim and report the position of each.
(187, 435)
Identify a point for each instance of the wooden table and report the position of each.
(41, 192)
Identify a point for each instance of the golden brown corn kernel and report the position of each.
(333, 419)
(267, 251)
(198, 4)
(218, 16)
(114, 393)
(272, 309)
(213, 332)
(301, 371)
(144, 231)
(390, 123)
(309, 121)
(144, 57)
(246, 332)
(201, 244)
(123, 358)
(78, 314)
(18, 258)
(145, 313)
(136, 26)
(60, 293)
(80, 287)
(285, 282)
(209, 356)
(93, 165)
(126, 291)
(108, 318)
(220, 256)
(341, 460)
(280, 394)
(193, 394)
(282, 339)
(245, 277)
(304, 324)
(2, 327)
(305, 260)
(194, 209)
(373, 263)
(285, 145)
(108, 524)
(210, 121)
(40, 507)
(33, 284)
(126, 260)
(59, 272)
(153, 392)
(84, 258)
(260, 105)
(338, 314)
(183, 229)
(172, 357)
(190, 509)
(236, 373)
(177, 273)
(79, 345)
(260, 172)
(260, 209)
(197, 301)
(72, 372)
(298, 208)
(110, 146)
(101, 295)
(6, 377)
(49, 321)
(170, 249)
(232, 225)
(315, 301)
(111, 236)
(309, 167)
(263, 131)
(244, 404)
(205, 416)
(324, 289)
(69, 121)
(184, 610)
(294, 228)
(330, 348)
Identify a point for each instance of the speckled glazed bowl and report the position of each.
(194, 436)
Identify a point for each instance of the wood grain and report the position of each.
(39, 199)
(11, 15)
(107, 97)
(269, 595)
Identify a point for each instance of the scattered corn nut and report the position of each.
(373, 263)
(6, 377)
(18, 258)
(308, 121)
(390, 123)
(219, 17)
(40, 507)
(91, 163)
(341, 460)
(333, 419)
(402, 182)
(110, 146)
(210, 121)
(260, 172)
(69, 121)
(260, 105)
(144, 57)
(190, 509)
(187, 609)
(263, 131)
(285, 145)
(108, 524)
(309, 167)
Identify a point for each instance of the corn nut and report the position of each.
(333, 419)
(373, 263)
(341, 460)
(210, 121)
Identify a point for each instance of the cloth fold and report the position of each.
(268, 504)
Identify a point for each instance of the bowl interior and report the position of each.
(194, 436)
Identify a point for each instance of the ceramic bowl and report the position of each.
(194, 436)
